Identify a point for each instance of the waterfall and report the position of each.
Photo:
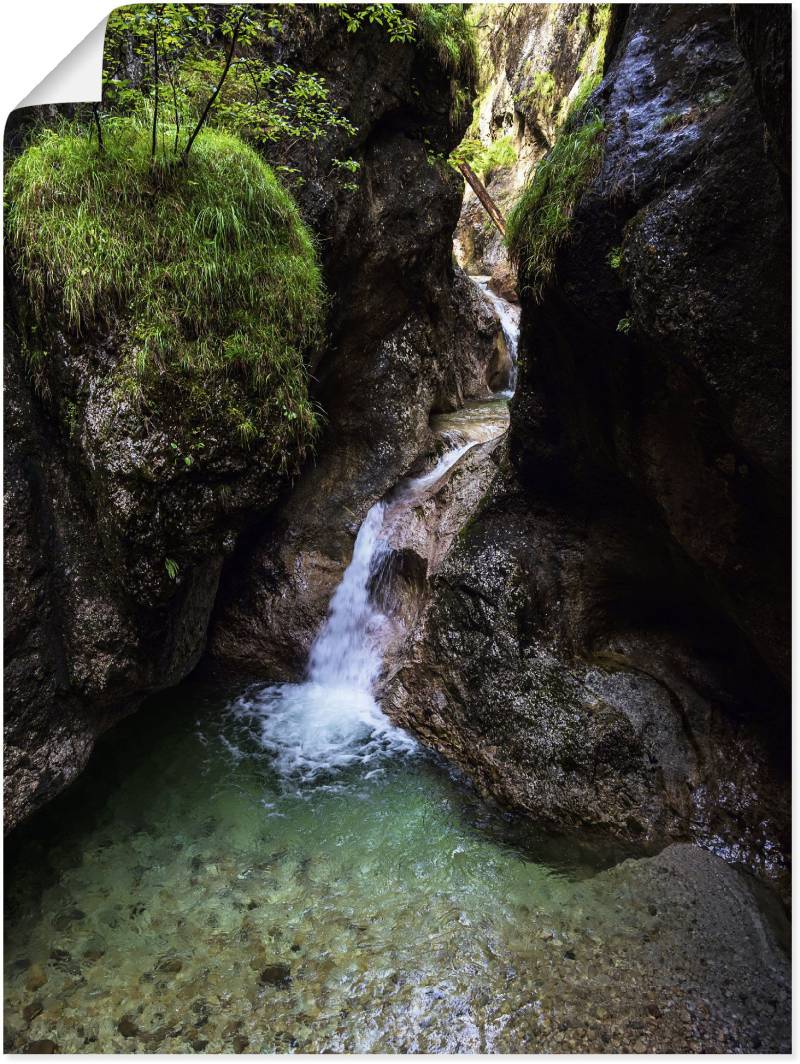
(344, 654)
(508, 314)
(332, 720)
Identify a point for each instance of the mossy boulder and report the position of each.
(160, 319)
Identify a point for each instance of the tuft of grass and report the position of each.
(446, 30)
(675, 120)
(485, 159)
(540, 220)
(206, 271)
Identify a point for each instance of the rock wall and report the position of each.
(409, 337)
(607, 646)
(535, 58)
(97, 496)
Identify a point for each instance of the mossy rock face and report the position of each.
(204, 272)
(131, 467)
(159, 320)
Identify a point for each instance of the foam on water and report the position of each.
(332, 720)
(508, 314)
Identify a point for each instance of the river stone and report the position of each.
(170, 965)
(278, 975)
(36, 977)
(128, 1028)
(32, 1010)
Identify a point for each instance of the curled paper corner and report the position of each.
(78, 78)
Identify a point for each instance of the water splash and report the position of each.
(508, 315)
(332, 720)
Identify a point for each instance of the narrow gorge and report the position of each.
(397, 534)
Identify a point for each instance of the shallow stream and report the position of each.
(181, 896)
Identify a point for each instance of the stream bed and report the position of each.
(182, 897)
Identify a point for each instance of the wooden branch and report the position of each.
(486, 200)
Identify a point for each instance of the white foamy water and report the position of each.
(332, 720)
(508, 314)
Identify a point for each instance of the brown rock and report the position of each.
(36, 977)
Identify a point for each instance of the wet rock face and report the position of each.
(690, 404)
(97, 499)
(608, 644)
(409, 337)
(537, 670)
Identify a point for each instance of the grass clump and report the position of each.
(446, 30)
(485, 159)
(540, 220)
(206, 271)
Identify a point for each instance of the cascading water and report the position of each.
(332, 720)
(508, 314)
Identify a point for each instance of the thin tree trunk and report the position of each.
(96, 114)
(155, 76)
(177, 115)
(169, 70)
(487, 202)
(215, 93)
(175, 111)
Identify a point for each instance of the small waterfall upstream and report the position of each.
(332, 719)
(508, 314)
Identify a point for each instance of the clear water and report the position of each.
(397, 903)
(180, 897)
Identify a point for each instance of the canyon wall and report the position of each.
(607, 645)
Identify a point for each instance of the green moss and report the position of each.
(540, 219)
(540, 92)
(590, 65)
(615, 258)
(207, 269)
